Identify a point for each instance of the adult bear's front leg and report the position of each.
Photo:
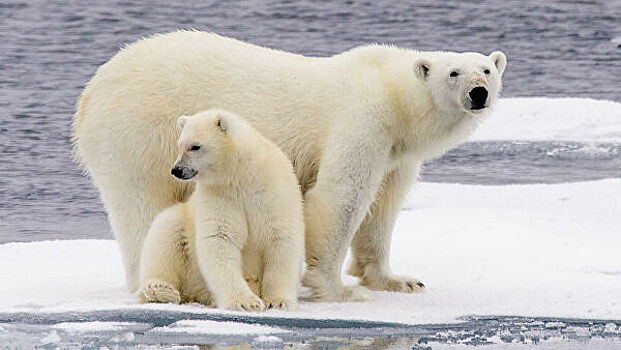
(348, 178)
(371, 243)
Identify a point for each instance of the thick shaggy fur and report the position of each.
(238, 242)
(356, 126)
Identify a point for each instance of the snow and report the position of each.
(522, 250)
(266, 339)
(552, 119)
(216, 328)
(267, 342)
(51, 338)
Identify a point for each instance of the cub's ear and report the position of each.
(222, 124)
(421, 68)
(500, 61)
(182, 120)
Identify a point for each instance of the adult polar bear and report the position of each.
(356, 127)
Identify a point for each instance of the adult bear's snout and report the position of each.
(177, 172)
(478, 95)
(183, 174)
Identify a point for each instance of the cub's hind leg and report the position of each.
(164, 258)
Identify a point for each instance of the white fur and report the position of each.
(356, 126)
(238, 243)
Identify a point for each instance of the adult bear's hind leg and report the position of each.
(131, 210)
(131, 168)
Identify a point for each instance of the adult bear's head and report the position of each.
(467, 82)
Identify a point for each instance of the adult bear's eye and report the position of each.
(195, 147)
(454, 73)
(486, 71)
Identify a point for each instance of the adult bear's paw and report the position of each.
(393, 284)
(324, 289)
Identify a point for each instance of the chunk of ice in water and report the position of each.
(267, 342)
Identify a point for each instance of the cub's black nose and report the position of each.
(177, 172)
(478, 95)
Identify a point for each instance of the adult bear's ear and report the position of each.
(500, 61)
(222, 124)
(182, 120)
(421, 68)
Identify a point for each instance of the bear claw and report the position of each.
(394, 284)
(282, 304)
(250, 303)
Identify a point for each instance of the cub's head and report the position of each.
(462, 82)
(205, 145)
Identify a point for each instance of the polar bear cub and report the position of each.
(238, 242)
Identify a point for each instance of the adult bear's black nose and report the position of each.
(478, 95)
(177, 172)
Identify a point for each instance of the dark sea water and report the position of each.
(49, 50)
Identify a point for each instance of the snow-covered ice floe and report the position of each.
(552, 119)
(520, 250)
(502, 264)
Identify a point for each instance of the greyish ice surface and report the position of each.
(122, 329)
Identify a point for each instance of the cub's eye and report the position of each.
(195, 147)
(454, 73)
(486, 71)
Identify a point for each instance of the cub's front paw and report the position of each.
(393, 284)
(281, 304)
(246, 302)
